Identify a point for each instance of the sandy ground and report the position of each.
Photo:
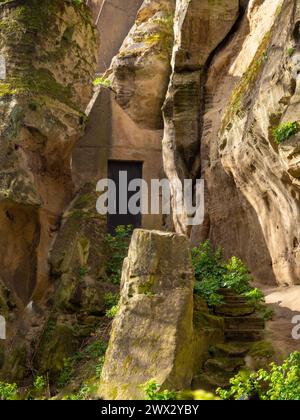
(285, 302)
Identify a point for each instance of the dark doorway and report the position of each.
(133, 170)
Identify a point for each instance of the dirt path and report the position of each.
(285, 302)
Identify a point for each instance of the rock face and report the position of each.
(266, 96)
(233, 79)
(199, 28)
(50, 52)
(140, 72)
(249, 87)
(148, 339)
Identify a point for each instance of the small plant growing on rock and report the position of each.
(290, 51)
(111, 301)
(102, 81)
(153, 393)
(99, 367)
(286, 130)
(112, 312)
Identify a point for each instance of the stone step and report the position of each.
(230, 300)
(231, 297)
(223, 364)
(244, 323)
(235, 310)
(244, 335)
(232, 349)
(227, 292)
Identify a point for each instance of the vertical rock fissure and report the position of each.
(184, 106)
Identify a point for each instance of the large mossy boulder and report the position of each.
(152, 334)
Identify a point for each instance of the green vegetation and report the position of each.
(99, 367)
(112, 312)
(94, 351)
(117, 247)
(8, 391)
(284, 131)
(209, 272)
(82, 272)
(111, 299)
(84, 393)
(290, 51)
(39, 384)
(153, 393)
(159, 38)
(279, 382)
(212, 274)
(102, 81)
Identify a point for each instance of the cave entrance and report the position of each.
(122, 173)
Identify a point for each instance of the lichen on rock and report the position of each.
(140, 72)
(50, 56)
(148, 340)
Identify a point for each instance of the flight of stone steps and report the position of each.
(242, 328)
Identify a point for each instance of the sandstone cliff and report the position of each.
(213, 88)
(233, 81)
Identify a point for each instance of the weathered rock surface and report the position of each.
(266, 96)
(152, 335)
(233, 74)
(49, 48)
(141, 70)
(199, 28)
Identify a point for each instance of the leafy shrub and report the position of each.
(284, 131)
(279, 382)
(117, 246)
(8, 391)
(237, 277)
(212, 274)
(153, 393)
(209, 271)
